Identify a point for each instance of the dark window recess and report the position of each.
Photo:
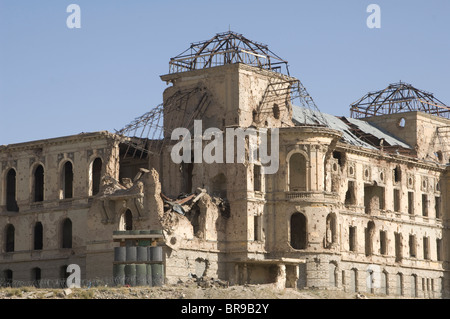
(424, 205)
(350, 197)
(67, 233)
(67, 183)
(8, 275)
(298, 231)
(11, 202)
(396, 200)
(96, 175)
(437, 206)
(373, 198)
(257, 228)
(257, 178)
(383, 243)
(128, 220)
(36, 275)
(352, 238)
(426, 248)
(194, 218)
(411, 203)
(412, 246)
(10, 238)
(439, 249)
(339, 157)
(39, 184)
(398, 247)
(370, 230)
(276, 111)
(397, 174)
(38, 236)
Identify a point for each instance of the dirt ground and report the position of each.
(188, 290)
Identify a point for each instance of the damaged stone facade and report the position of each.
(334, 216)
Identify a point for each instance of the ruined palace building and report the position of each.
(359, 202)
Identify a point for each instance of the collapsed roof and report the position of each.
(355, 132)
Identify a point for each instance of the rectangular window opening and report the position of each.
(396, 200)
(412, 246)
(352, 238)
(437, 206)
(439, 249)
(424, 205)
(426, 248)
(373, 198)
(383, 246)
(410, 203)
(257, 178)
(350, 198)
(398, 247)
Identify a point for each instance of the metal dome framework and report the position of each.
(227, 48)
(398, 98)
(147, 134)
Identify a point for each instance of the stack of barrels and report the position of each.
(138, 265)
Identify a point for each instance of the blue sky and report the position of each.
(56, 81)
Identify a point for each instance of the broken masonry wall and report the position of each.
(188, 251)
(141, 196)
(184, 264)
(203, 92)
(419, 131)
(232, 99)
(259, 104)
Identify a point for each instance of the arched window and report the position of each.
(298, 231)
(297, 173)
(126, 221)
(38, 236)
(96, 174)
(370, 230)
(399, 282)
(333, 274)
(8, 277)
(414, 284)
(354, 280)
(67, 233)
(331, 234)
(384, 281)
(36, 277)
(10, 234)
(370, 280)
(38, 184)
(11, 201)
(67, 180)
